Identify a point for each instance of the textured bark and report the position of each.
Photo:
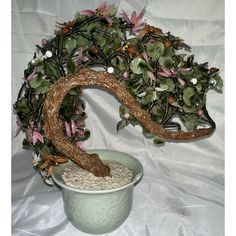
(54, 127)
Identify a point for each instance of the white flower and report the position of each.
(48, 54)
(33, 61)
(110, 70)
(194, 80)
(160, 89)
(142, 94)
(49, 181)
(126, 115)
(213, 82)
(36, 159)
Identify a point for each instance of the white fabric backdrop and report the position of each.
(182, 192)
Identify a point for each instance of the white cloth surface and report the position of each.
(182, 191)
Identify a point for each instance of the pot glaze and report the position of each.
(100, 211)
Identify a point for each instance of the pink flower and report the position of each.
(200, 112)
(36, 136)
(44, 42)
(33, 134)
(145, 56)
(181, 81)
(18, 126)
(80, 58)
(79, 145)
(70, 128)
(174, 73)
(126, 74)
(151, 75)
(135, 21)
(167, 72)
(104, 10)
(31, 76)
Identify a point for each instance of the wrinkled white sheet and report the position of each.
(182, 192)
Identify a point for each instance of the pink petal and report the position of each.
(109, 10)
(138, 26)
(151, 75)
(79, 145)
(85, 58)
(73, 127)
(181, 81)
(31, 76)
(102, 6)
(44, 42)
(167, 71)
(200, 112)
(109, 19)
(141, 14)
(139, 23)
(133, 17)
(18, 129)
(125, 16)
(145, 56)
(37, 136)
(87, 12)
(68, 130)
(80, 58)
(163, 74)
(126, 74)
(183, 69)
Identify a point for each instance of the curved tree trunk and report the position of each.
(54, 127)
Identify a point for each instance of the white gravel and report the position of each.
(76, 177)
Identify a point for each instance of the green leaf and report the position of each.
(157, 110)
(149, 97)
(121, 124)
(43, 88)
(101, 40)
(155, 50)
(187, 94)
(21, 105)
(168, 52)
(40, 85)
(79, 18)
(115, 32)
(52, 70)
(157, 140)
(123, 110)
(70, 66)
(167, 84)
(92, 27)
(118, 64)
(35, 83)
(83, 42)
(133, 41)
(138, 66)
(27, 145)
(166, 61)
(191, 121)
(188, 109)
(198, 87)
(70, 44)
(219, 83)
(147, 134)
(202, 101)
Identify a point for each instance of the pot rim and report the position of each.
(135, 180)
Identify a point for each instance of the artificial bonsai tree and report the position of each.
(152, 73)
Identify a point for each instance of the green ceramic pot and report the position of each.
(100, 211)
